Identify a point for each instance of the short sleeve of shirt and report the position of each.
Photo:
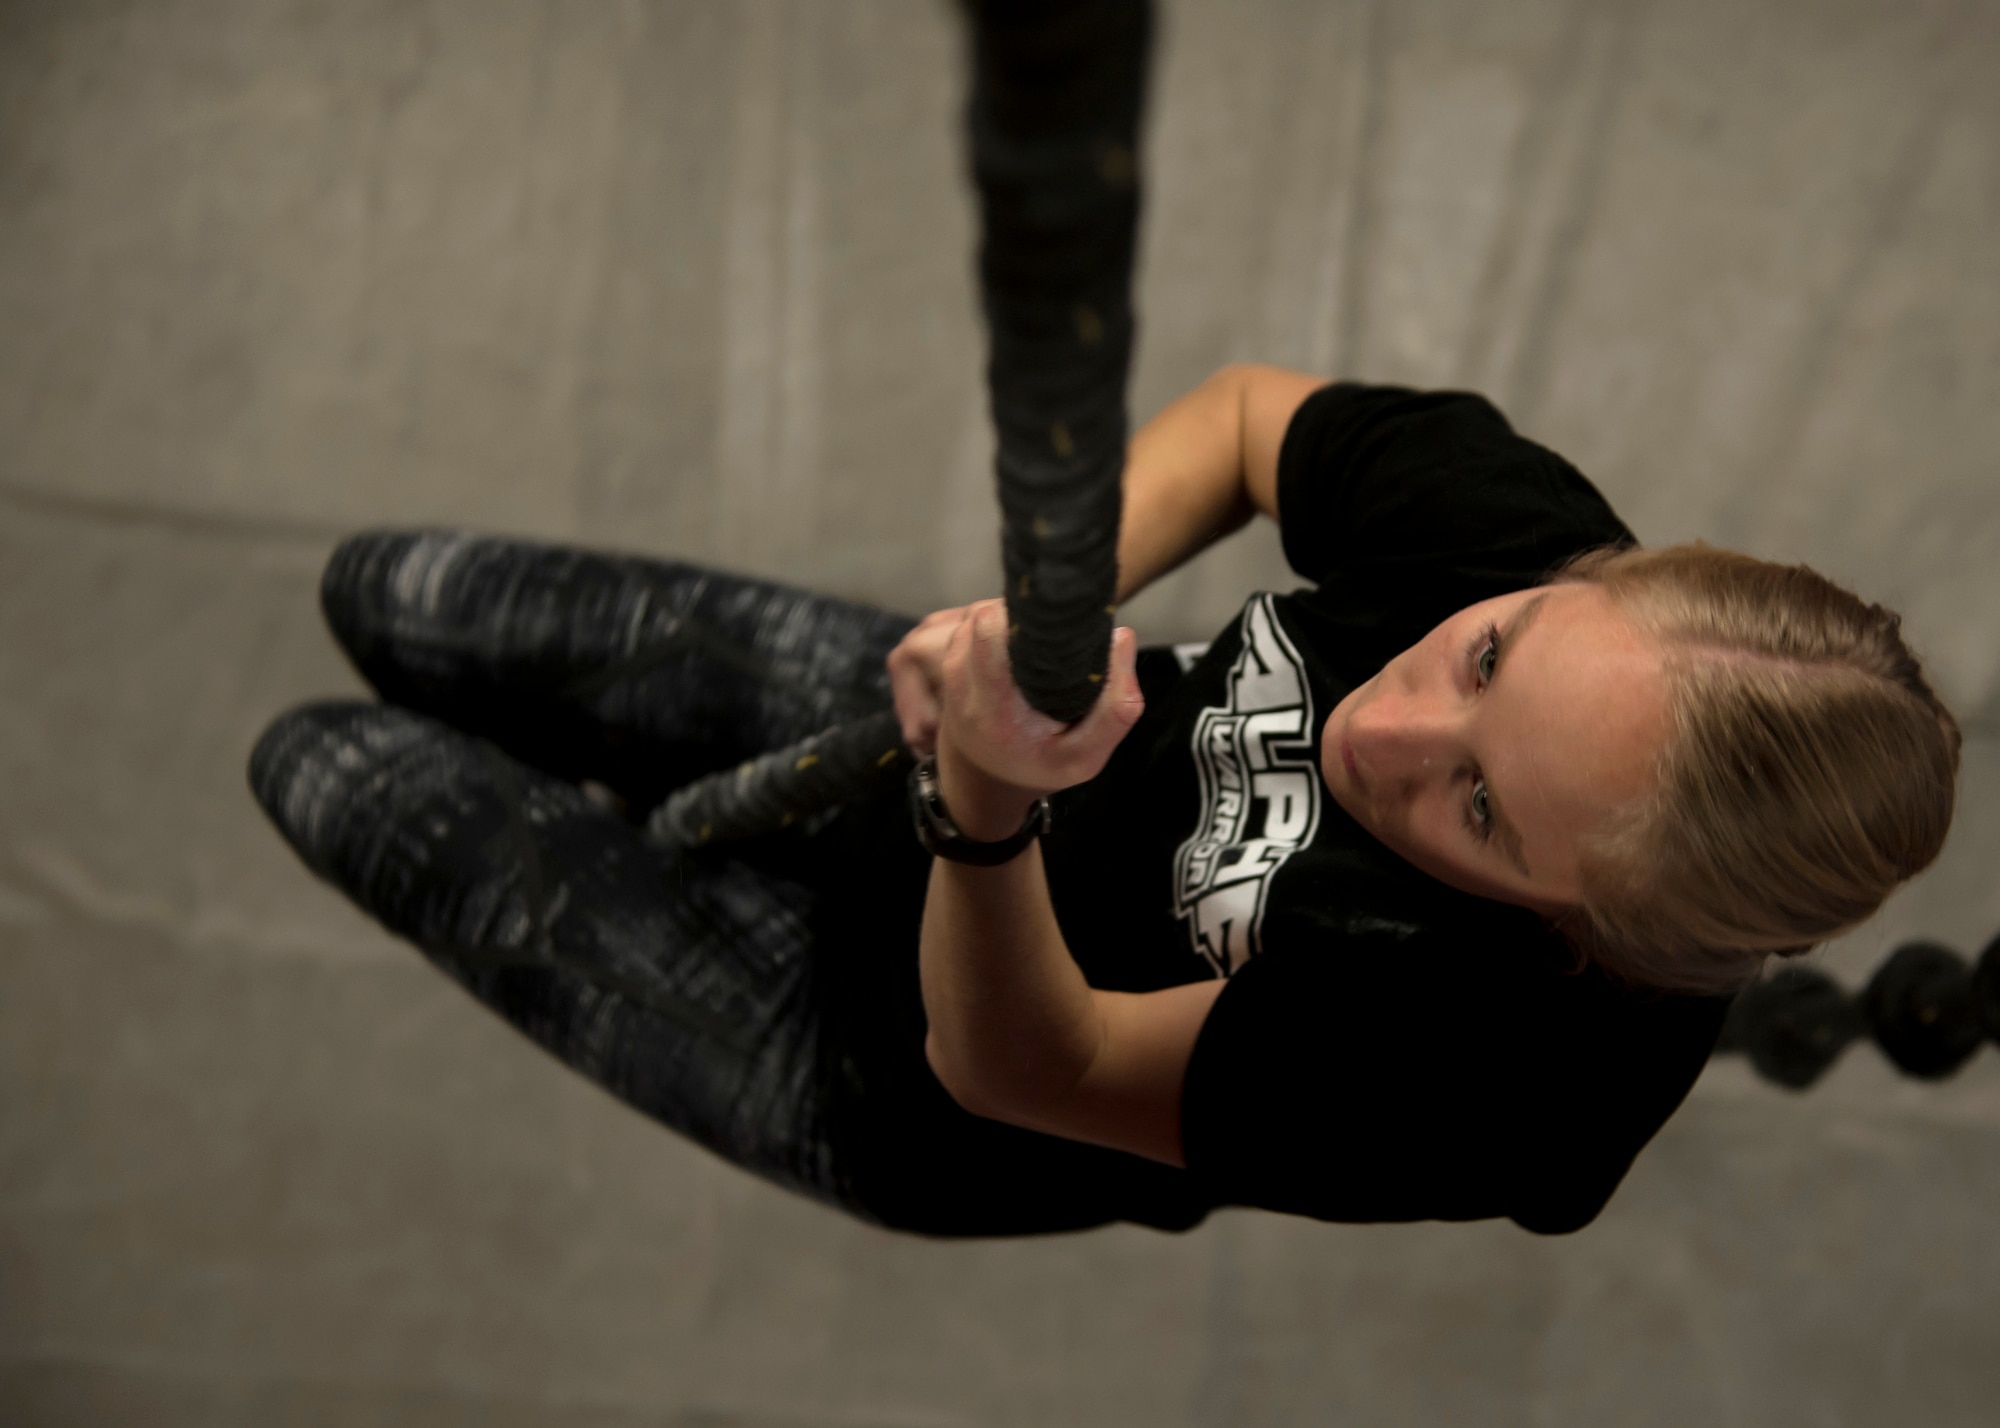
(1384, 482)
(1410, 1079)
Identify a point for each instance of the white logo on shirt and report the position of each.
(1260, 792)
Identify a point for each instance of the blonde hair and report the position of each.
(1810, 770)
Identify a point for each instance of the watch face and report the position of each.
(927, 801)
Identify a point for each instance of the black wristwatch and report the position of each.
(940, 836)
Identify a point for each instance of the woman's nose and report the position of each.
(1404, 740)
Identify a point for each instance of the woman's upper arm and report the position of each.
(1271, 396)
(1130, 1097)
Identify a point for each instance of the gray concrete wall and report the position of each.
(693, 278)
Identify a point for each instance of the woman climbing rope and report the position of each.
(1304, 930)
(1418, 895)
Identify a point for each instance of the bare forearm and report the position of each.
(1013, 1024)
(1199, 469)
(1184, 486)
(1016, 1033)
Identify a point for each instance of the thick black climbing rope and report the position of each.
(1057, 90)
(1926, 1008)
(777, 789)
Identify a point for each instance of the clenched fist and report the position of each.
(951, 675)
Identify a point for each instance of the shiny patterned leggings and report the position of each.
(762, 998)
(453, 813)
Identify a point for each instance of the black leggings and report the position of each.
(762, 998)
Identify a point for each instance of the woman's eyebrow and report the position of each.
(1510, 837)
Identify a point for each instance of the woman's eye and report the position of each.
(1488, 657)
(1479, 803)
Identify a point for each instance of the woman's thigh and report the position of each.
(636, 672)
(684, 984)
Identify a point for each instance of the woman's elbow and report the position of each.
(1017, 1105)
(961, 1087)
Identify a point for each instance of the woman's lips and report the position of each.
(1347, 758)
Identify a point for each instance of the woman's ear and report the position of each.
(1558, 916)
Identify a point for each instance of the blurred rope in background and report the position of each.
(1927, 1008)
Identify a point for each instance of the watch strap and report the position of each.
(941, 836)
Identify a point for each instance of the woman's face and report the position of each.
(1485, 752)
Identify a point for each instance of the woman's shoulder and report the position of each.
(1383, 478)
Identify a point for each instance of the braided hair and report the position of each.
(1811, 770)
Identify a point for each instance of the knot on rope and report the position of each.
(1926, 1008)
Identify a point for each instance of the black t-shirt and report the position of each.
(1388, 1048)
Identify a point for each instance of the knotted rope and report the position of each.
(1926, 1008)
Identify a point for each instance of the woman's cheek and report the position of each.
(1432, 834)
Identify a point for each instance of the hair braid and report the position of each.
(1812, 769)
